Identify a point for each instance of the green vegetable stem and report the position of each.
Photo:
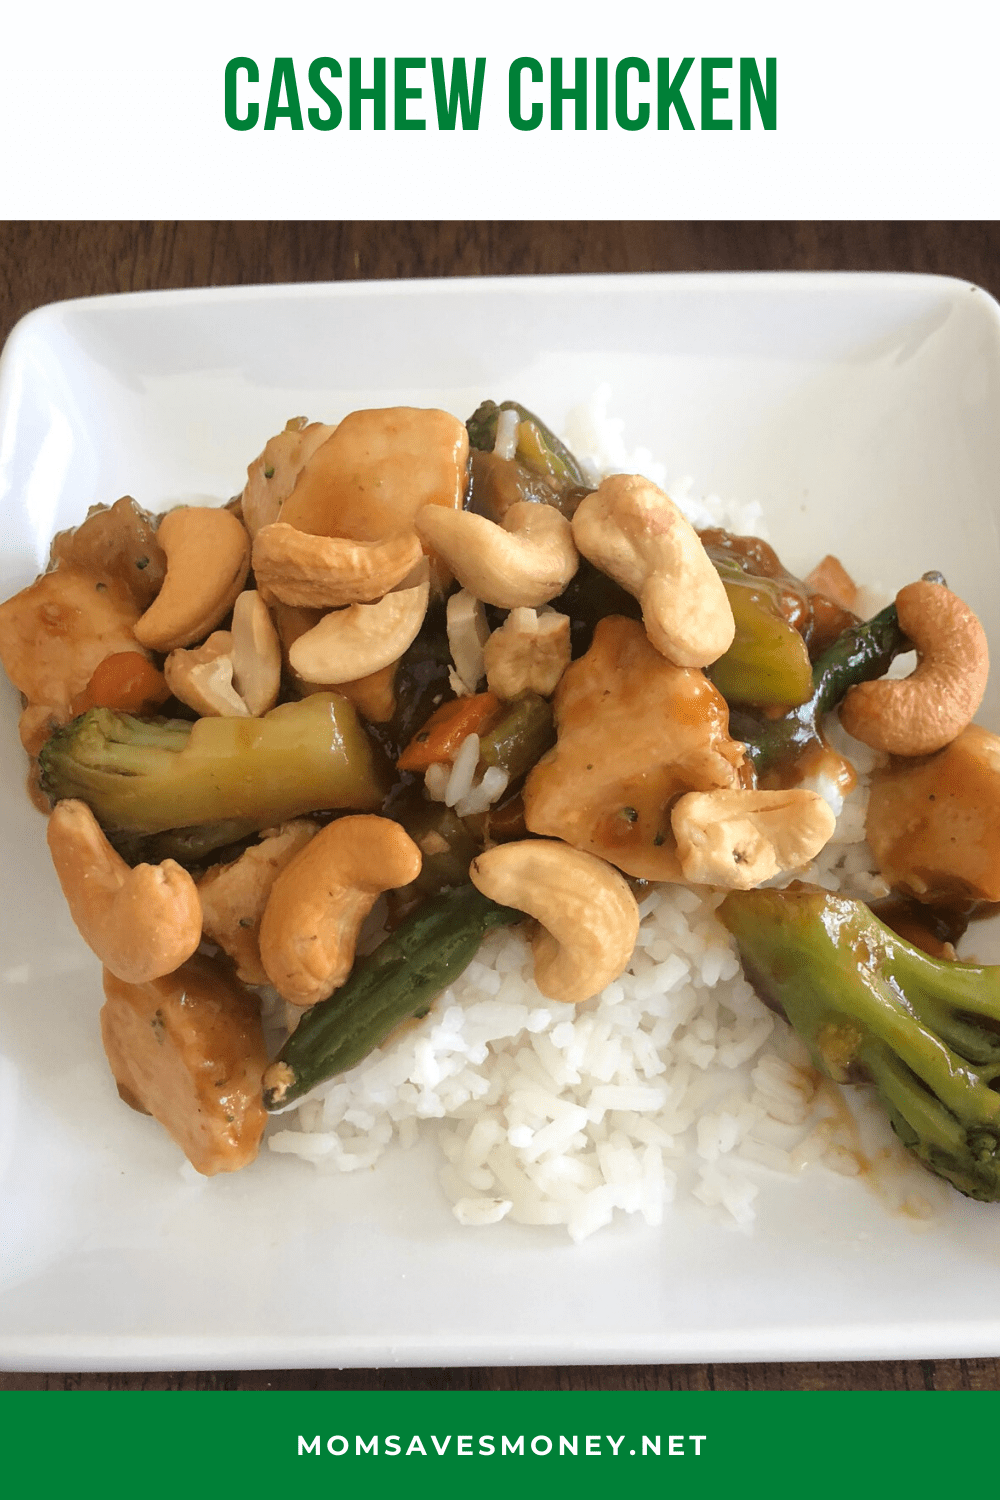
(538, 448)
(144, 776)
(521, 738)
(426, 953)
(861, 653)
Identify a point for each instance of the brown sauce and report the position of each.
(934, 926)
(817, 618)
(759, 560)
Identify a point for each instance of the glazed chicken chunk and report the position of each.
(189, 1050)
(934, 823)
(634, 734)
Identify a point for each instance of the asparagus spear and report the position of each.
(538, 448)
(861, 653)
(426, 953)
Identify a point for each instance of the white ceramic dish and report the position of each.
(862, 413)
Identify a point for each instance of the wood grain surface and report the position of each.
(46, 262)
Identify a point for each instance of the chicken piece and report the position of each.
(273, 474)
(189, 1050)
(635, 733)
(117, 541)
(934, 823)
(369, 479)
(831, 579)
(233, 896)
(57, 630)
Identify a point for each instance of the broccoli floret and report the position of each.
(873, 1008)
(238, 775)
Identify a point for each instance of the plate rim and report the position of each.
(809, 1340)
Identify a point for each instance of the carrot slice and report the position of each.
(127, 681)
(440, 737)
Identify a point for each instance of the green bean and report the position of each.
(521, 738)
(859, 654)
(401, 978)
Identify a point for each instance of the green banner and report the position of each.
(704, 1445)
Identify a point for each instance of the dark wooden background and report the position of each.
(44, 262)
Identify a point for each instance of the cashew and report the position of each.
(634, 532)
(236, 673)
(588, 915)
(233, 896)
(256, 654)
(738, 839)
(359, 640)
(527, 560)
(273, 475)
(374, 696)
(327, 572)
(310, 927)
(927, 710)
(208, 557)
(142, 923)
(203, 678)
(528, 653)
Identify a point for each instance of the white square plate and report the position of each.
(862, 413)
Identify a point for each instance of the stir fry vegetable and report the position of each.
(768, 662)
(873, 1008)
(535, 445)
(148, 775)
(400, 979)
(863, 652)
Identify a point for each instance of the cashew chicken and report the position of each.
(927, 710)
(274, 473)
(53, 636)
(142, 923)
(309, 930)
(634, 733)
(588, 916)
(738, 839)
(634, 532)
(376, 470)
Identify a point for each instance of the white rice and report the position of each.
(675, 1079)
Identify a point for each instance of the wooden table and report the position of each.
(43, 262)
